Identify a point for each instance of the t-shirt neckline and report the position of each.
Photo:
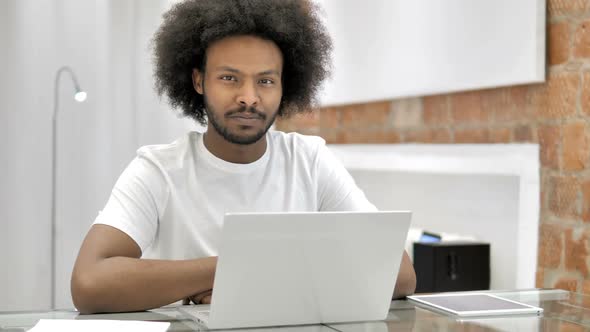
(227, 166)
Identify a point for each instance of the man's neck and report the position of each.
(231, 152)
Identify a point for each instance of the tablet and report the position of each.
(474, 304)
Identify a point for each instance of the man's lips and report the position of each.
(246, 116)
(246, 119)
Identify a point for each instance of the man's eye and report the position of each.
(266, 81)
(227, 78)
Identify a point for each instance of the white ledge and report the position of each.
(519, 160)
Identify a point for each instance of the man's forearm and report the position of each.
(406, 278)
(119, 284)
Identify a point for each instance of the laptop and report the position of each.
(277, 269)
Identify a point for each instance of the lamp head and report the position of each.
(80, 96)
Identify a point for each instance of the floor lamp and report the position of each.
(79, 96)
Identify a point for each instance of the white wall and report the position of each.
(105, 42)
(25, 137)
(386, 49)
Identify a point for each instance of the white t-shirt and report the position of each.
(171, 199)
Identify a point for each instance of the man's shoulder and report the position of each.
(172, 154)
(295, 141)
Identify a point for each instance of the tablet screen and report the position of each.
(474, 302)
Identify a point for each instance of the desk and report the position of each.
(564, 311)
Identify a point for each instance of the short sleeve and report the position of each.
(137, 202)
(337, 190)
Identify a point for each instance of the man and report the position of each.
(234, 65)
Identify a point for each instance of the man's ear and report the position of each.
(198, 81)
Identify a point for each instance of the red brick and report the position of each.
(546, 192)
(585, 102)
(307, 122)
(416, 136)
(576, 252)
(585, 301)
(467, 107)
(329, 118)
(567, 7)
(435, 110)
(508, 114)
(406, 113)
(582, 40)
(549, 139)
(497, 102)
(524, 133)
(358, 136)
(567, 283)
(500, 135)
(576, 147)
(333, 136)
(540, 278)
(563, 196)
(564, 326)
(558, 43)
(365, 115)
(586, 200)
(518, 96)
(557, 97)
(550, 246)
(508, 105)
(428, 136)
(472, 136)
(441, 136)
(543, 196)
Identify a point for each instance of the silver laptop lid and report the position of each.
(306, 268)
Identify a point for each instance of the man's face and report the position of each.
(241, 87)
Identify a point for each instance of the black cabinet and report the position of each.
(451, 266)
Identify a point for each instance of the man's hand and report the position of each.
(406, 278)
(110, 276)
(202, 298)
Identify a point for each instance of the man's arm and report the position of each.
(109, 275)
(406, 278)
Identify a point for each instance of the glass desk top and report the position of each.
(563, 311)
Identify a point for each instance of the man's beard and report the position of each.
(232, 137)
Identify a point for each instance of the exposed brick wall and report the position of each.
(555, 115)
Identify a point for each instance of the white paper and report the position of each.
(92, 325)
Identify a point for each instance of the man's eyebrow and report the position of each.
(270, 72)
(234, 70)
(226, 68)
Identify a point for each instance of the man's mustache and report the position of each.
(246, 109)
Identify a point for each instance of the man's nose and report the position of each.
(248, 95)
